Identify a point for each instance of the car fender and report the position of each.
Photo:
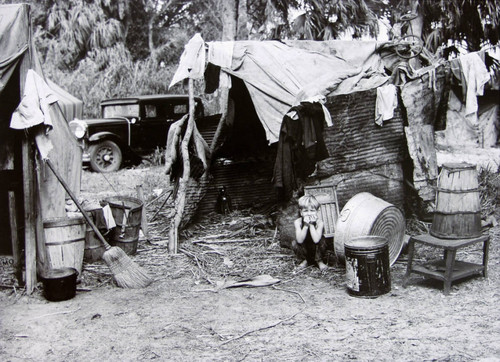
(101, 136)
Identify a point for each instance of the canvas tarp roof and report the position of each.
(278, 75)
(14, 42)
(17, 51)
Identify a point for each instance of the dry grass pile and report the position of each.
(214, 250)
(489, 190)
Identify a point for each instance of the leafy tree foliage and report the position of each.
(472, 23)
(102, 48)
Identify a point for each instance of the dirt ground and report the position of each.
(189, 314)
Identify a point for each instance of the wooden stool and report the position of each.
(448, 269)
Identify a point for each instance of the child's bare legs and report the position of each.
(322, 266)
(303, 265)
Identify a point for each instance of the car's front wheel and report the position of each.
(105, 156)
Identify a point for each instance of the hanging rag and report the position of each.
(174, 139)
(321, 100)
(475, 76)
(387, 101)
(108, 217)
(35, 104)
(310, 95)
(300, 146)
(192, 62)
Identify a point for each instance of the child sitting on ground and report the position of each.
(309, 244)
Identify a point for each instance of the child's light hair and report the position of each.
(307, 201)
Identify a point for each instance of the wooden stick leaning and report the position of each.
(127, 274)
(180, 199)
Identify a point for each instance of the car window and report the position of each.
(151, 111)
(120, 110)
(181, 109)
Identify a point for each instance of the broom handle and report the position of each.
(73, 197)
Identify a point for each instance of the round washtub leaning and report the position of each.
(367, 266)
(458, 206)
(127, 212)
(65, 242)
(365, 214)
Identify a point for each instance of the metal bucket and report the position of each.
(59, 284)
(127, 212)
(65, 242)
(458, 207)
(366, 214)
(367, 266)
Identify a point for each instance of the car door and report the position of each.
(152, 128)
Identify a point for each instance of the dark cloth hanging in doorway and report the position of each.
(300, 146)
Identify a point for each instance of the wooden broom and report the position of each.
(127, 274)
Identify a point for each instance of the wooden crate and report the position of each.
(329, 207)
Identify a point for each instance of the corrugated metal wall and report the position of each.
(247, 182)
(364, 157)
(355, 142)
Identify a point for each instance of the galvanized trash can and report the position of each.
(367, 266)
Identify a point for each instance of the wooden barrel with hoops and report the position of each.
(458, 207)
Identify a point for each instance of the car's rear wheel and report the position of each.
(105, 156)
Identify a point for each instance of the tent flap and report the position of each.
(280, 75)
(14, 37)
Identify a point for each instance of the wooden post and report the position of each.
(29, 214)
(218, 131)
(144, 218)
(42, 260)
(180, 200)
(14, 237)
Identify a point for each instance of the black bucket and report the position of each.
(367, 266)
(59, 284)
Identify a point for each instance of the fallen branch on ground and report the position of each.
(222, 241)
(197, 263)
(51, 314)
(290, 291)
(262, 328)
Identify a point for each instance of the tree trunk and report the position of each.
(229, 32)
(151, 45)
(230, 19)
(417, 23)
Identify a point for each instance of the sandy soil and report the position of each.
(187, 313)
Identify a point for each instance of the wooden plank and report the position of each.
(449, 244)
(419, 269)
(28, 172)
(29, 213)
(329, 209)
(42, 259)
(14, 237)
(6, 263)
(144, 219)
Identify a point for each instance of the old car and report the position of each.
(130, 127)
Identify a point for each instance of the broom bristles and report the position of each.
(127, 274)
